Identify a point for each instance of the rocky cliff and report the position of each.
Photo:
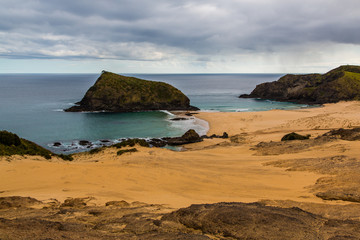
(116, 93)
(342, 83)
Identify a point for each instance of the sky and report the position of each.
(184, 36)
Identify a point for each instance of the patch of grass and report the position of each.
(121, 152)
(132, 142)
(96, 150)
(66, 157)
(11, 144)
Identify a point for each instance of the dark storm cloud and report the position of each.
(153, 30)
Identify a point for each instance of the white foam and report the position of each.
(58, 110)
(242, 110)
(167, 112)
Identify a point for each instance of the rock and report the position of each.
(18, 202)
(189, 137)
(294, 136)
(339, 195)
(116, 93)
(84, 143)
(121, 204)
(179, 119)
(345, 134)
(342, 83)
(75, 202)
(225, 135)
(256, 221)
(156, 142)
(57, 144)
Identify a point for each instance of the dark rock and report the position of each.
(156, 142)
(17, 202)
(338, 84)
(345, 134)
(57, 144)
(339, 195)
(116, 93)
(84, 143)
(294, 136)
(179, 119)
(225, 135)
(189, 137)
(190, 113)
(105, 141)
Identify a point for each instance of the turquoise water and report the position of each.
(31, 106)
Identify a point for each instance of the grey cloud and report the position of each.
(139, 29)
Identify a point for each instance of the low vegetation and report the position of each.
(121, 152)
(12, 144)
(132, 142)
(294, 136)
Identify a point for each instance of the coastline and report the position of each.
(215, 170)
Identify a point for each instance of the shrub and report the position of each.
(66, 157)
(131, 142)
(121, 152)
(9, 139)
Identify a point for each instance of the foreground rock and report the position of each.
(189, 137)
(116, 93)
(342, 83)
(76, 219)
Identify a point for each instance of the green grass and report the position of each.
(11, 144)
(121, 152)
(131, 142)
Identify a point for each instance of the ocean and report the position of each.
(31, 105)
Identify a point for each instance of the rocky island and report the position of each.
(340, 84)
(117, 93)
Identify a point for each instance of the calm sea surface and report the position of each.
(31, 106)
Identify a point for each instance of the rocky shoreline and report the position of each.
(340, 84)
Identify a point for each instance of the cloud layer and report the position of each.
(184, 31)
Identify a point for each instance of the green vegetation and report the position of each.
(11, 144)
(121, 152)
(66, 157)
(339, 84)
(117, 93)
(294, 136)
(131, 142)
(96, 150)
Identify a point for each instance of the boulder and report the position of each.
(189, 137)
(117, 93)
(294, 136)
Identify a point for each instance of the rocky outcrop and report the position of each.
(189, 137)
(342, 83)
(75, 219)
(116, 93)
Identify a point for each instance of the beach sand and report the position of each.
(215, 170)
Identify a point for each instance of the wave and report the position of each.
(167, 112)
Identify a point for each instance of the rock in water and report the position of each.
(342, 83)
(116, 93)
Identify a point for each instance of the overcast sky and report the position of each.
(167, 36)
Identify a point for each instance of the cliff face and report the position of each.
(342, 83)
(116, 93)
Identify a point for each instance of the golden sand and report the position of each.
(215, 170)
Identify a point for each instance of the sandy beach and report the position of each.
(215, 170)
